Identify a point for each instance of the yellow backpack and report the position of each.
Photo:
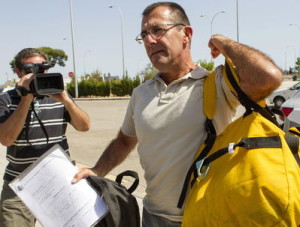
(247, 175)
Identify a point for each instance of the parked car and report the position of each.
(279, 96)
(291, 108)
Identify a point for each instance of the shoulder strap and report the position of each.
(293, 142)
(209, 109)
(209, 98)
(243, 98)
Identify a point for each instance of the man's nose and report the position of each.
(149, 39)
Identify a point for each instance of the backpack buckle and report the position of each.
(202, 168)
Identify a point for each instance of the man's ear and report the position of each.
(188, 31)
(18, 72)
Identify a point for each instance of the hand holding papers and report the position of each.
(45, 187)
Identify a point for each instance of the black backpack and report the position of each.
(122, 205)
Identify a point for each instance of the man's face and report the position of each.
(36, 59)
(167, 50)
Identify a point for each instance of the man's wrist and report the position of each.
(67, 102)
(22, 91)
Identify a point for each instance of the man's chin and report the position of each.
(158, 60)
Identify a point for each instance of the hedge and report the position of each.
(91, 88)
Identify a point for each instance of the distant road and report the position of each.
(106, 119)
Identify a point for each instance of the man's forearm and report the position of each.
(79, 119)
(258, 74)
(11, 128)
(114, 154)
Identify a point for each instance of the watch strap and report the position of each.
(22, 91)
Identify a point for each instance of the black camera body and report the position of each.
(43, 83)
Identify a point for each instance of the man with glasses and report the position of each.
(30, 126)
(165, 114)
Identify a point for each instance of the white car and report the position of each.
(291, 108)
(279, 96)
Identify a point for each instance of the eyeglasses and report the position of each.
(155, 31)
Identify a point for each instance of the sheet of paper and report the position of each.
(46, 189)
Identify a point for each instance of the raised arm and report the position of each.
(79, 119)
(258, 74)
(114, 154)
(11, 128)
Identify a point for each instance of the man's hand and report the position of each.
(83, 173)
(215, 45)
(25, 81)
(79, 119)
(61, 97)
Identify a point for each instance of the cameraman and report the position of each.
(29, 126)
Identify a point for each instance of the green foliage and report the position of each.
(103, 89)
(95, 76)
(89, 88)
(57, 55)
(92, 85)
(297, 66)
(209, 66)
(122, 87)
(148, 72)
(12, 65)
(86, 88)
(71, 87)
(136, 82)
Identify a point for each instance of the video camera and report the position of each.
(43, 83)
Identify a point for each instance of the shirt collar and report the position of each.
(197, 73)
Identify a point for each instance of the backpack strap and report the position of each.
(209, 98)
(209, 109)
(248, 103)
(132, 174)
(247, 143)
(292, 141)
(295, 131)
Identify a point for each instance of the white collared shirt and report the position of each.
(168, 122)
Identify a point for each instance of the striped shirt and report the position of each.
(32, 140)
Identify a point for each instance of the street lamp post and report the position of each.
(121, 16)
(212, 20)
(211, 23)
(286, 55)
(73, 49)
(296, 25)
(237, 20)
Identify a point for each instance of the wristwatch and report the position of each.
(22, 91)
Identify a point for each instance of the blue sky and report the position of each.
(263, 24)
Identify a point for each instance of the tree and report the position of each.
(95, 76)
(148, 72)
(209, 66)
(56, 55)
(297, 67)
(290, 72)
